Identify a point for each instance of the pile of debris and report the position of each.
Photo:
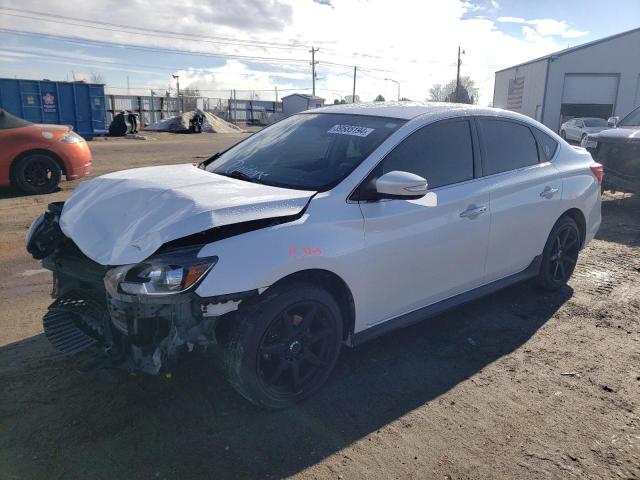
(195, 121)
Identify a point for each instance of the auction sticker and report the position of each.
(350, 130)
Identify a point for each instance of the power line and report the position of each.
(154, 49)
(48, 17)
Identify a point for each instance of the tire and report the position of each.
(283, 350)
(37, 173)
(560, 255)
(584, 135)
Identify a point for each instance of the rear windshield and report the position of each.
(595, 122)
(309, 151)
(10, 121)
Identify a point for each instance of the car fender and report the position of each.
(328, 236)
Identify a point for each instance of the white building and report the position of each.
(597, 79)
(299, 102)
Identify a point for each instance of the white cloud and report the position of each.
(545, 27)
(414, 42)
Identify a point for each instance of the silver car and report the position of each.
(577, 129)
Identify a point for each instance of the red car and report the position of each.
(34, 157)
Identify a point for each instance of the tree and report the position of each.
(468, 92)
(437, 93)
(379, 98)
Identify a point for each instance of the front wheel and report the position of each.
(560, 255)
(37, 173)
(284, 349)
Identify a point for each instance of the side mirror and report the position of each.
(401, 185)
(613, 121)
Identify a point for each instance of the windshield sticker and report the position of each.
(351, 130)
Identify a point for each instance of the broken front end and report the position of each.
(140, 316)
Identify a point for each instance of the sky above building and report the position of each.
(258, 46)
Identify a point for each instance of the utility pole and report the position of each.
(313, 70)
(353, 99)
(152, 114)
(397, 83)
(458, 76)
(177, 77)
(275, 105)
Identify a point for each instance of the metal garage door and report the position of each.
(594, 89)
(588, 95)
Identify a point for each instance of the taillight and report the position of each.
(598, 171)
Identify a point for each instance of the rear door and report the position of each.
(525, 190)
(422, 251)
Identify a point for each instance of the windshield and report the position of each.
(10, 121)
(631, 120)
(306, 151)
(595, 122)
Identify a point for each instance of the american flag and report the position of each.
(516, 90)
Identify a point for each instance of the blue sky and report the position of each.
(414, 42)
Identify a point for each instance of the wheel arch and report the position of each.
(43, 151)
(335, 285)
(577, 215)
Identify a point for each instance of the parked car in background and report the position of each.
(618, 150)
(280, 250)
(578, 128)
(34, 157)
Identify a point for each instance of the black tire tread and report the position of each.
(542, 281)
(252, 321)
(23, 185)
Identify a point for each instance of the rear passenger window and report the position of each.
(508, 146)
(547, 145)
(442, 153)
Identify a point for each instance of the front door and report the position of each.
(426, 250)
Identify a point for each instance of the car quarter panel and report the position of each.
(580, 188)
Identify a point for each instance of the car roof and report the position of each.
(409, 110)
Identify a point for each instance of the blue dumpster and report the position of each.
(81, 105)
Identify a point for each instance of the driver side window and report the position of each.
(441, 152)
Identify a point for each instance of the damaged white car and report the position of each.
(326, 229)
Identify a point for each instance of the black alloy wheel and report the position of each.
(37, 173)
(560, 254)
(296, 349)
(284, 348)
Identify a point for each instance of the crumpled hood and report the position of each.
(124, 217)
(618, 135)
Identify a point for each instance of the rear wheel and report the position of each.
(37, 173)
(560, 255)
(284, 349)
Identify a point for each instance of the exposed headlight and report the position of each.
(165, 274)
(71, 137)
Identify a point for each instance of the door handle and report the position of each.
(473, 212)
(549, 192)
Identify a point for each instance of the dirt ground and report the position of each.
(519, 385)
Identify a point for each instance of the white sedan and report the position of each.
(326, 229)
(577, 129)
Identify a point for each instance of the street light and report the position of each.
(397, 83)
(177, 78)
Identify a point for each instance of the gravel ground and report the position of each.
(517, 385)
